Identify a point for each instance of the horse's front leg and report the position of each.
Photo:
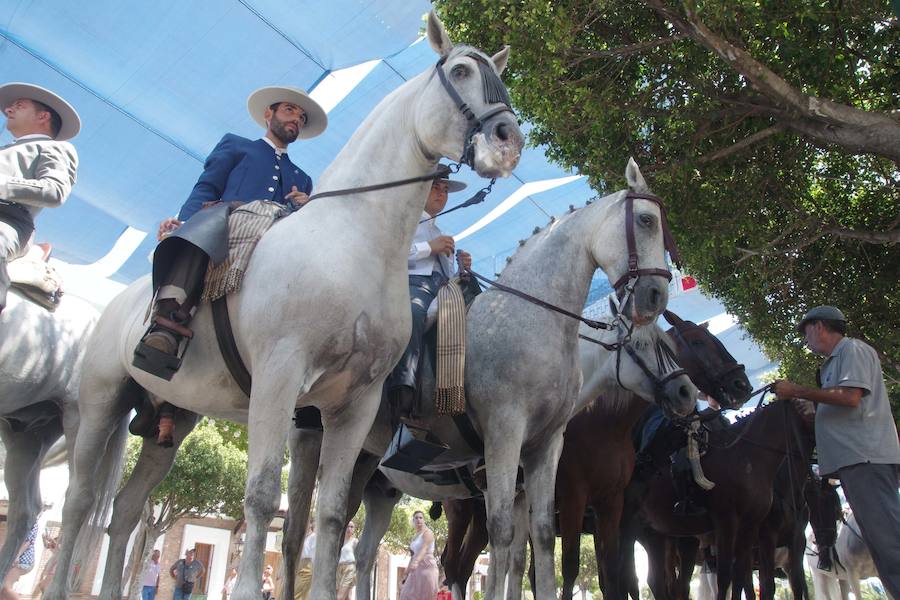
(342, 442)
(24, 453)
(379, 498)
(305, 446)
(503, 445)
(272, 400)
(766, 543)
(540, 484)
(475, 541)
(518, 550)
(152, 466)
(571, 518)
(459, 515)
(607, 546)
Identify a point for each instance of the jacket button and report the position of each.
(275, 177)
(271, 189)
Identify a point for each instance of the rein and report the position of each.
(439, 173)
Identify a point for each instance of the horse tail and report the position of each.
(109, 475)
(435, 511)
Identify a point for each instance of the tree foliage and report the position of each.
(771, 129)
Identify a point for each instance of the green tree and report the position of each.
(208, 477)
(771, 129)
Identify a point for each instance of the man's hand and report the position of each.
(464, 259)
(785, 390)
(442, 244)
(297, 198)
(167, 227)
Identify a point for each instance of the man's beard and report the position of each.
(277, 127)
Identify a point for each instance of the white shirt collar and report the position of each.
(34, 136)
(428, 219)
(278, 151)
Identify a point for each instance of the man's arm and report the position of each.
(173, 568)
(212, 181)
(54, 176)
(838, 396)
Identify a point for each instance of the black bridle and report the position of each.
(494, 93)
(718, 377)
(669, 242)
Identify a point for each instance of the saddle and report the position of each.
(34, 278)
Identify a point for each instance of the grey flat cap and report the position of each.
(828, 313)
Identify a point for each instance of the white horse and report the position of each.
(322, 318)
(854, 563)
(40, 366)
(602, 377)
(523, 376)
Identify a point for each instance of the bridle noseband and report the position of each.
(669, 242)
(494, 92)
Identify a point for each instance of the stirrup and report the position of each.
(412, 448)
(151, 360)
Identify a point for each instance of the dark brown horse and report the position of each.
(602, 430)
(743, 461)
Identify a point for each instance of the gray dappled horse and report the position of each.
(40, 366)
(322, 328)
(523, 375)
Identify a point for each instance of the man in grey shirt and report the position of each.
(186, 571)
(37, 170)
(856, 437)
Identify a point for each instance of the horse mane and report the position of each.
(525, 245)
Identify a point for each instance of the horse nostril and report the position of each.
(502, 132)
(684, 392)
(655, 297)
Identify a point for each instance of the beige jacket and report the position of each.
(37, 173)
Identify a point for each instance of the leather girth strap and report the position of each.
(229, 350)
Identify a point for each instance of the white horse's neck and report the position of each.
(557, 264)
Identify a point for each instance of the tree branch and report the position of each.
(629, 49)
(872, 237)
(741, 145)
(857, 130)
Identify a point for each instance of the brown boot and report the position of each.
(166, 427)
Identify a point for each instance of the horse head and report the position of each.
(641, 362)
(708, 362)
(466, 111)
(633, 239)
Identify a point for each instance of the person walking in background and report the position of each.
(268, 585)
(24, 563)
(150, 578)
(303, 582)
(422, 573)
(346, 571)
(229, 584)
(186, 571)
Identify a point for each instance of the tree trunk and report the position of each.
(151, 534)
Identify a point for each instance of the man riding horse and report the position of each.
(37, 170)
(238, 170)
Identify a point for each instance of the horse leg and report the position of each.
(459, 518)
(742, 569)
(796, 574)
(379, 500)
(655, 546)
(153, 464)
(502, 452)
(687, 552)
(518, 549)
(305, 446)
(766, 544)
(342, 441)
(476, 540)
(540, 472)
(106, 397)
(571, 517)
(607, 535)
(725, 571)
(24, 453)
(272, 401)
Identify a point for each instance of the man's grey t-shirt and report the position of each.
(189, 572)
(866, 433)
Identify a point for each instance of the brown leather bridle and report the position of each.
(668, 241)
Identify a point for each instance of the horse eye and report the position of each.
(459, 72)
(646, 220)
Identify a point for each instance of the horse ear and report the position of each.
(705, 324)
(437, 35)
(500, 59)
(634, 178)
(671, 318)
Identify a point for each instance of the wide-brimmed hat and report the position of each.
(71, 122)
(263, 98)
(452, 185)
(823, 313)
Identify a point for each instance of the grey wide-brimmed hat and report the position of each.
(71, 122)
(452, 185)
(263, 98)
(827, 313)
